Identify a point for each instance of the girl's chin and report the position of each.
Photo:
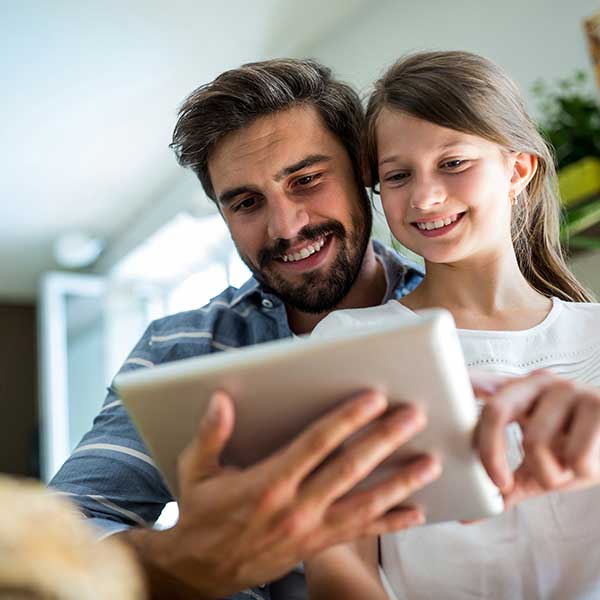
(440, 258)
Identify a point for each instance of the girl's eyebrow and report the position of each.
(442, 148)
(388, 159)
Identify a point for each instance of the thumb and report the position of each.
(201, 457)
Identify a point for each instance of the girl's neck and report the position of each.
(487, 293)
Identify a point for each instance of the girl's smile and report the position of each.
(445, 193)
(436, 226)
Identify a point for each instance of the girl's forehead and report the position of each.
(394, 120)
(400, 132)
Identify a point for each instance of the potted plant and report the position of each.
(571, 123)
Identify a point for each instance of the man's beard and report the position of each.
(319, 290)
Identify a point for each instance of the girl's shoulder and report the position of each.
(578, 314)
(592, 308)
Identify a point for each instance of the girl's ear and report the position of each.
(524, 168)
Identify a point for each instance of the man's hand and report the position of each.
(240, 528)
(561, 433)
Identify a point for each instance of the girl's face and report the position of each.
(445, 194)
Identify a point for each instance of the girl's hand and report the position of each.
(561, 433)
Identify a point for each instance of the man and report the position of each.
(277, 146)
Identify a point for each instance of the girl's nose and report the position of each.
(426, 194)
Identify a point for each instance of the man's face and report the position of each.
(298, 217)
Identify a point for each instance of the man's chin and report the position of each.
(318, 292)
(311, 302)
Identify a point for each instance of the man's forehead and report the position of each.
(270, 144)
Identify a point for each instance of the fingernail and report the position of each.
(505, 483)
(418, 517)
(213, 412)
(433, 469)
(375, 402)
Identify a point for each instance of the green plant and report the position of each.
(570, 118)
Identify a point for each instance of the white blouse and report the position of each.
(546, 547)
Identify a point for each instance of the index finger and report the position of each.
(486, 383)
(311, 447)
(513, 400)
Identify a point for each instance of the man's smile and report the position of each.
(304, 251)
(308, 256)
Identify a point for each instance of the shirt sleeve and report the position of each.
(110, 475)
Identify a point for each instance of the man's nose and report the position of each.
(426, 193)
(286, 218)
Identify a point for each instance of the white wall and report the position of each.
(530, 39)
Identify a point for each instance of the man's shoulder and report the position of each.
(234, 318)
(229, 303)
(402, 274)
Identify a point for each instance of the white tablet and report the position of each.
(280, 387)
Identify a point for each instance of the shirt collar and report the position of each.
(248, 289)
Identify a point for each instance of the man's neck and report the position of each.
(368, 290)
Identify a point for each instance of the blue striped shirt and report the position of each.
(110, 474)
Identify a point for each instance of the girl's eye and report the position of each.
(454, 164)
(396, 177)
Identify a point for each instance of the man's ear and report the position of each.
(524, 168)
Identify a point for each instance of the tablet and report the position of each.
(280, 387)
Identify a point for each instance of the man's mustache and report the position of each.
(308, 233)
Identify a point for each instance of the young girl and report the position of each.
(467, 182)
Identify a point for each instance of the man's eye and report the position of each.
(245, 204)
(306, 180)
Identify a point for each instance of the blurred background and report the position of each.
(101, 231)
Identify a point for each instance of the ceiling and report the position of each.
(89, 96)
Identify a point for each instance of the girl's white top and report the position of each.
(546, 547)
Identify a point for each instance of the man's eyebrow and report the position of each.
(312, 159)
(228, 195)
(309, 161)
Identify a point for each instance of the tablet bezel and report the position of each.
(279, 387)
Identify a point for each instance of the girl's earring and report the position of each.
(514, 199)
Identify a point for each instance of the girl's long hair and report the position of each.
(468, 93)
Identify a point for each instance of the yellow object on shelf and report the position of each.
(579, 180)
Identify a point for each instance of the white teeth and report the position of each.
(436, 224)
(304, 253)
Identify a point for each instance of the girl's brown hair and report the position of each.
(468, 93)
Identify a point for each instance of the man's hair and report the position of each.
(237, 97)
